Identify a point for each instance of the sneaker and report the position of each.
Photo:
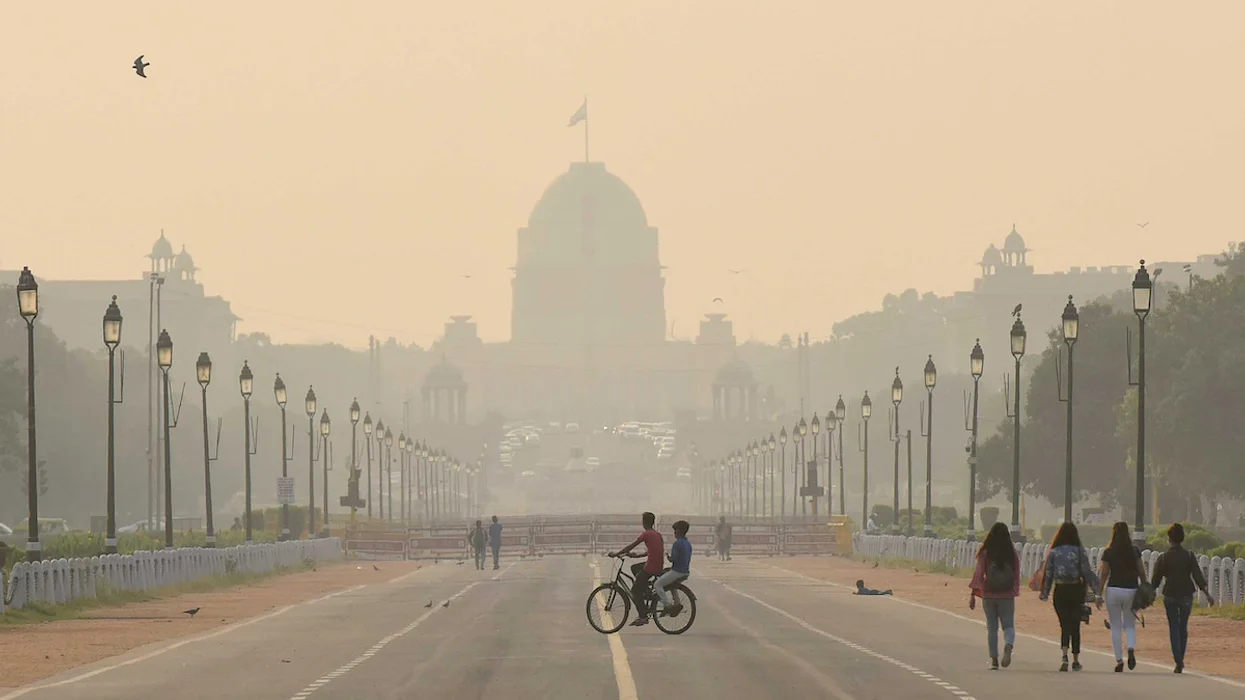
(1179, 668)
(1132, 660)
(1119, 666)
(674, 610)
(640, 622)
(1076, 665)
(994, 664)
(1007, 655)
(1063, 667)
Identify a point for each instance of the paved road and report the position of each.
(521, 634)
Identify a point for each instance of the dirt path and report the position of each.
(31, 652)
(1214, 644)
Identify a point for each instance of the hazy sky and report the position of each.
(336, 168)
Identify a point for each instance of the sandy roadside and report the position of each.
(1214, 645)
(31, 652)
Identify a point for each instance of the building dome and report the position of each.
(161, 249)
(992, 257)
(183, 262)
(735, 373)
(443, 374)
(564, 202)
(1014, 243)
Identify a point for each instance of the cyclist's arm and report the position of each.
(627, 550)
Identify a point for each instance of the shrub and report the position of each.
(1230, 550)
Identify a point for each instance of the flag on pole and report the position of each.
(580, 114)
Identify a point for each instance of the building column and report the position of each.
(462, 406)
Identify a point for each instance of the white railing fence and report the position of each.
(65, 580)
(1225, 577)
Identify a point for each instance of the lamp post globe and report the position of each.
(866, 407)
(1071, 322)
(27, 295)
(367, 424)
(802, 428)
(782, 436)
(388, 437)
(1019, 338)
(310, 402)
(112, 325)
(280, 394)
(772, 444)
(816, 425)
(354, 412)
(203, 369)
(931, 373)
(164, 351)
(401, 442)
(840, 409)
(325, 424)
(897, 389)
(977, 360)
(1143, 291)
(246, 381)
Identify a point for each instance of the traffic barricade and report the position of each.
(560, 536)
(440, 542)
(754, 540)
(612, 533)
(375, 544)
(815, 538)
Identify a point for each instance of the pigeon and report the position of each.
(429, 605)
(139, 66)
(1143, 225)
(734, 272)
(191, 612)
(718, 300)
(1016, 311)
(446, 604)
(875, 565)
(285, 661)
(460, 562)
(375, 567)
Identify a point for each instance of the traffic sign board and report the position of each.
(285, 490)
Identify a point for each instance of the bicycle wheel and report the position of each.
(608, 608)
(683, 621)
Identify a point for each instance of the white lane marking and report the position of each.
(1034, 637)
(175, 645)
(622, 669)
(336, 673)
(815, 630)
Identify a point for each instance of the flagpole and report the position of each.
(586, 129)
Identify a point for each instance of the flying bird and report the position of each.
(1143, 225)
(717, 300)
(191, 612)
(734, 272)
(429, 605)
(139, 66)
(1016, 311)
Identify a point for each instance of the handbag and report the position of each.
(1144, 597)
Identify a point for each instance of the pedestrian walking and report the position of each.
(996, 580)
(1122, 571)
(477, 544)
(1069, 572)
(1180, 569)
(722, 534)
(494, 540)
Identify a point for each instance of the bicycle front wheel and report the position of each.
(608, 608)
(683, 621)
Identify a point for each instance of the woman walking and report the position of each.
(996, 581)
(1069, 572)
(1180, 568)
(1123, 571)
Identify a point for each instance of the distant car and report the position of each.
(528, 474)
(684, 473)
(533, 438)
(593, 462)
(572, 428)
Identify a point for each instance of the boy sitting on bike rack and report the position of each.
(680, 569)
(651, 568)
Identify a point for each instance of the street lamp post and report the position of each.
(1142, 299)
(977, 364)
(388, 472)
(164, 358)
(896, 399)
(280, 394)
(424, 494)
(246, 386)
(324, 467)
(1018, 339)
(311, 462)
(203, 372)
(367, 438)
(380, 467)
(112, 338)
(931, 379)
(800, 470)
(754, 455)
(866, 410)
(772, 446)
(410, 480)
(28, 306)
(402, 476)
(840, 413)
(354, 452)
(1071, 329)
(810, 470)
(832, 422)
(782, 500)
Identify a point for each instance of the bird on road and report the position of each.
(446, 604)
(1016, 311)
(875, 565)
(191, 612)
(139, 66)
(460, 562)
(429, 605)
(1143, 225)
(375, 567)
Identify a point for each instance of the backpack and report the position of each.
(1000, 577)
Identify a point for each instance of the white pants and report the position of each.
(1120, 612)
(667, 579)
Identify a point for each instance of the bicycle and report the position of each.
(609, 604)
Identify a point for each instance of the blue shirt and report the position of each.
(681, 555)
(494, 534)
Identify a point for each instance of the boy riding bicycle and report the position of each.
(680, 569)
(652, 567)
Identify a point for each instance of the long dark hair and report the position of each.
(998, 545)
(1121, 548)
(1066, 534)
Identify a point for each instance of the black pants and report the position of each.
(640, 589)
(1069, 599)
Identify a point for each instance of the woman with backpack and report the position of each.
(1182, 571)
(996, 581)
(1067, 570)
(1123, 571)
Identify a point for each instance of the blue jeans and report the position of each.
(1178, 612)
(496, 554)
(1000, 612)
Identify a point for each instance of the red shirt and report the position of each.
(652, 541)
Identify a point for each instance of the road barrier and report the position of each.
(561, 536)
(63, 580)
(376, 544)
(1225, 576)
(439, 542)
(809, 538)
